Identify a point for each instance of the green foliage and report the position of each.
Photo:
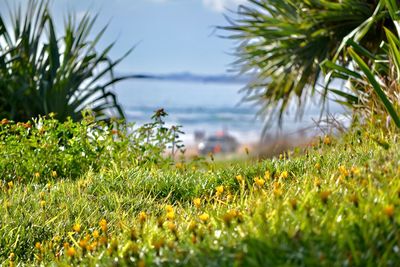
(47, 149)
(373, 77)
(336, 205)
(43, 71)
(284, 42)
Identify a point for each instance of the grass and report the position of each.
(335, 204)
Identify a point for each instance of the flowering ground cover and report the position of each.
(334, 204)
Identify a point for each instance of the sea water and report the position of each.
(206, 107)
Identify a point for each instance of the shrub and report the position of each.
(46, 149)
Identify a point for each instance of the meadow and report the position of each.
(334, 203)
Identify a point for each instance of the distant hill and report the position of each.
(190, 77)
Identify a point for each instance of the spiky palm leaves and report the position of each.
(41, 72)
(284, 42)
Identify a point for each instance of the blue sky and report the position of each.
(171, 35)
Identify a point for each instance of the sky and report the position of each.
(170, 35)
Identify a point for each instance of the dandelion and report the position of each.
(42, 203)
(170, 215)
(240, 179)
(197, 202)
(355, 171)
(54, 174)
(389, 211)
(142, 217)
(83, 244)
(37, 175)
(278, 192)
(103, 225)
(38, 245)
(169, 208)
(204, 217)
(343, 171)
(71, 252)
(95, 234)
(259, 181)
(267, 175)
(327, 140)
(77, 227)
(220, 190)
(284, 175)
(92, 246)
(317, 182)
(180, 166)
(10, 185)
(317, 166)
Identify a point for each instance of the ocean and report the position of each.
(207, 107)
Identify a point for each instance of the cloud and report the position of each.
(222, 5)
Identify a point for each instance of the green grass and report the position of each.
(338, 205)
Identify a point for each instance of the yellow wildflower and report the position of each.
(343, 171)
(71, 252)
(278, 192)
(197, 202)
(95, 234)
(142, 217)
(12, 256)
(240, 179)
(42, 203)
(389, 211)
(54, 174)
(204, 217)
(10, 184)
(355, 171)
(38, 245)
(170, 215)
(317, 182)
(267, 175)
(259, 181)
(76, 227)
(103, 225)
(83, 243)
(220, 190)
(317, 166)
(327, 140)
(284, 175)
(169, 208)
(37, 175)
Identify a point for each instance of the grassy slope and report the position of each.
(321, 214)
